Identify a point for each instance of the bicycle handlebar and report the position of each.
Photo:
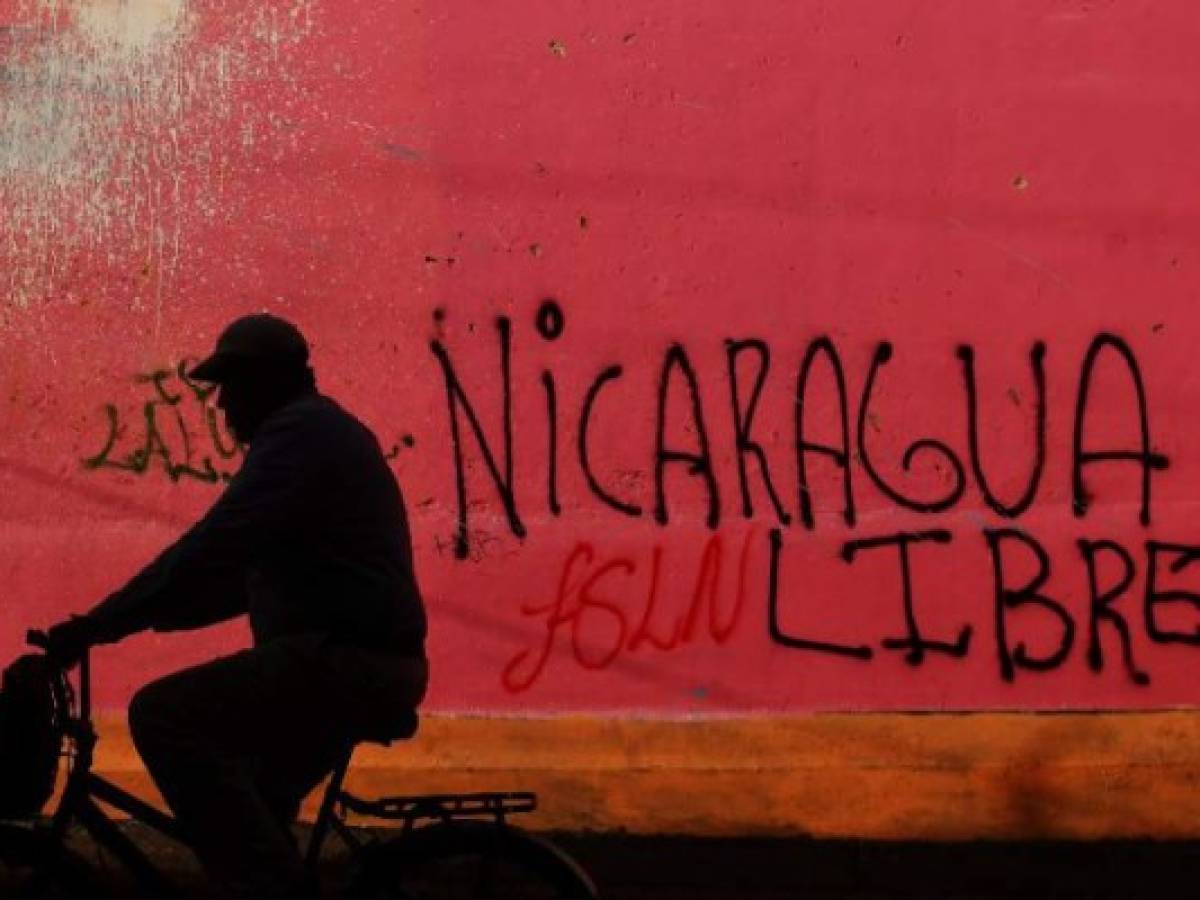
(37, 638)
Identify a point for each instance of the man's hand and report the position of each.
(67, 641)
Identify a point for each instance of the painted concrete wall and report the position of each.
(743, 362)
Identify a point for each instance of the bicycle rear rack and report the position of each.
(441, 807)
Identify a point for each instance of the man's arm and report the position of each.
(214, 595)
(199, 580)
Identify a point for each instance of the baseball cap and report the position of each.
(261, 339)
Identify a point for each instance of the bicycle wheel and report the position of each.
(33, 868)
(462, 860)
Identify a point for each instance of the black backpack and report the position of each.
(32, 709)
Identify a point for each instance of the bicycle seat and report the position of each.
(403, 727)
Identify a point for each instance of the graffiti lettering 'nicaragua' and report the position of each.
(596, 630)
(854, 447)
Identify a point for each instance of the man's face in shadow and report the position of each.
(246, 401)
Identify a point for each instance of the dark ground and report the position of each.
(666, 868)
(758, 869)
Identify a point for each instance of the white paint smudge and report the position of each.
(130, 29)
(117, 123)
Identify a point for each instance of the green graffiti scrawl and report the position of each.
(154, 445)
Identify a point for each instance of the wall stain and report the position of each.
(116, 122)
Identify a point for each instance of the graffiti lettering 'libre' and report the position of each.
(612, 605)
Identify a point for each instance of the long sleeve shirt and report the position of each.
(310, 536)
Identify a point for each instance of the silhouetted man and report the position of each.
(311, 539)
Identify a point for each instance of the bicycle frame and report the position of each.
(85, 791)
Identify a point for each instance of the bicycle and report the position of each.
(447, 845)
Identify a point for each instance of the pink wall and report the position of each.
(398, 178)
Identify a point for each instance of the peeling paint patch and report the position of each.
(111, 137)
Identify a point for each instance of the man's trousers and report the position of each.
(235, 744)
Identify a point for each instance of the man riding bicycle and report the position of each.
(311, 539)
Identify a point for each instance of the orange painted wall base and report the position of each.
(876, 776)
